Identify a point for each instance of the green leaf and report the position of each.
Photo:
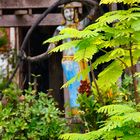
(65, 46)
(117, 52)
(136, 25)
(116, 109)
(86, 49)
(110, 75)
(56, 39)
(119, 1)
(136, 36)
(81, 75)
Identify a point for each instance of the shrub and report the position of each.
(29, 117)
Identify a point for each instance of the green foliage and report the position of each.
(116, 31)
(122, 123)
(29, 117)
(119, 1)
(65, 46)
(110, 74)
(88, 111)
(116, 34)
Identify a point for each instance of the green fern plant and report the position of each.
(122, 123)
(119, 1)
(118, 31)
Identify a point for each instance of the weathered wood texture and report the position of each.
(17, 13)
(21, 4)
(28, 20)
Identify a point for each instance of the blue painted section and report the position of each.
(70, 69)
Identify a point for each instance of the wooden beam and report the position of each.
(28, 20)
(22, 4)
(25, 4)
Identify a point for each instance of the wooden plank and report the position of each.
(28, 20)
(21, 4)
(24, 4)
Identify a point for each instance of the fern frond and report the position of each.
(136, 37)
(70, 31)
(65, 46)
(71, 81)
(102, 59)
(131, 137)
(112, 123)
(136, 55)
(86, 50)
(88, 34)
(116, 109)
(93, 26)
(74, 33)
(110, 135)
(132, 116)
(81, 75)
(123, 16)
(119, 1)
(136, 25)
(73, 136)
(112, 16)
(126, 58)
(110, 75)
(56, 39)
(107, 57)
(117, 52)
(94, 135)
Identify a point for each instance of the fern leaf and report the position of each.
(65, 46)
(86, 49)
(110, 17)
(74, 33)
(71, 81)
(123, 16)
(73, 136)
(110, 135)
(116, 109)
(132, 116)
(110, 75)
(119, 1)
(106, 58)
(113, 123)
(70, 31)
(93, 26)
(88, 34)
(102, 59)
(131, 137)
(136, 55)
(136, 36)
(81, 75)
(56, 39)
(136, 25)
(94, 135)
(126, 58)
(117, 52)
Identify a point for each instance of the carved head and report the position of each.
(70, 12)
